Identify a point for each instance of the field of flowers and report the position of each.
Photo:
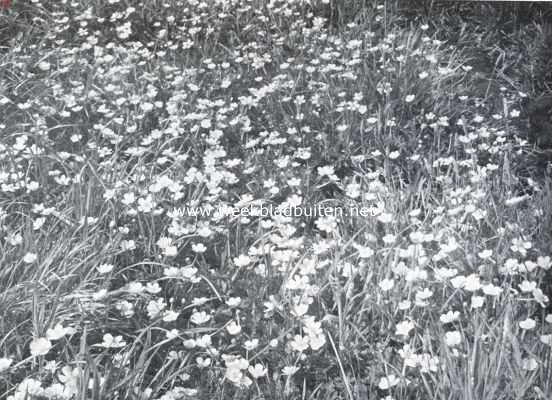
(130, 133)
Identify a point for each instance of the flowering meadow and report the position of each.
(129, 128)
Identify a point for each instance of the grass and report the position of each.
(126, 125)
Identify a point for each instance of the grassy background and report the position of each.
(114, 113)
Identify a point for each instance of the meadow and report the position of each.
(129, 129)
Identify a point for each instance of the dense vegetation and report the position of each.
(121, 119)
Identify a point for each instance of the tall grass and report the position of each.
(120, 118)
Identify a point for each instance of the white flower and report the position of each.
(458, 281)
(428, 363)
(250, 345)
(477, 301)
(170, 316)
(300, 343)
(410, 358)
(316, 342)
(44, 66)
(233, 302)
(388, 382)
(40, 346)
(529, 364)
(104, 268)
(326, 224)
(128, 198)
(126, 308)
(198, 301)
(128, 245)
(386, 284)
(410, 98)
(423, 294)
(257, 371)
(352, 190)
(234, 367)
(57, 332)
(472, 283)
(99, 295)
(172, 334)
(234, 375)
(485, 254)
(515, 200)
(449, 317)
(385, 218)
(51, 366)
(546, 339)
(540, 297)
(453, 338)
(233, 328)
(189, 273)
(492, 290)
(297, 282)
(29, 388)
(348, 270)
(5, 363)
(404, 305)
(364, 251)
(199, 248)
(327, 170)
(163, 242)
(155, 307)
(403, 328)
(170, 251)
(153, 287)
(242, 261)
(300, 309)
(527, 286)
(544, 262)
(30, 258)
(388, 239)
(199, 318)
(110, 341)
(527, 324)
(135, 288)
(203, 362)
